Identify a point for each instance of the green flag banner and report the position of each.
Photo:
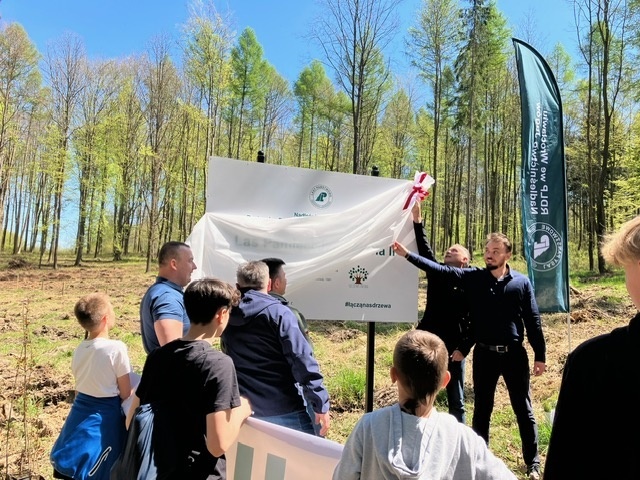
(543, 181)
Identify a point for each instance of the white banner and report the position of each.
(333, 230)
(265, 451)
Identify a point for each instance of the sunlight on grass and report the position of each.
(347, 388)
(340, 347)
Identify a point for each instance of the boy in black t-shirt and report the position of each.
(195, 385)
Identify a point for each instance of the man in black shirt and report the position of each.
(447, 311)
(502, 308)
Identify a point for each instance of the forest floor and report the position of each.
(38, 334)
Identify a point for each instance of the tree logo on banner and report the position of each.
(321, 196)
(358, 275)
(548, 246)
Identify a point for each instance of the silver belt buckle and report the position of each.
(502, 348)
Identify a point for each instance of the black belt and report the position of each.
(498, 348)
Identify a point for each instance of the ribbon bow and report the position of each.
(420, 189)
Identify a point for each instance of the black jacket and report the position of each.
(596, 429)
(501, 312)
(447, 310)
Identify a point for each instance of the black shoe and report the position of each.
(533, 472)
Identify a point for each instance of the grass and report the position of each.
(598, 305)
(347, 387)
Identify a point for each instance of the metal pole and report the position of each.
(371, 345)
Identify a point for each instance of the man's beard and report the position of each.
(491, 267)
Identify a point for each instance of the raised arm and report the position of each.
(429, 265)
(424, 249)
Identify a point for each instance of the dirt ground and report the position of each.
(38, 334)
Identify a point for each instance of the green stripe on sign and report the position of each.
(275, 468)
(244, 462)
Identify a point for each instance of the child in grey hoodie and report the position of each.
(411, 440)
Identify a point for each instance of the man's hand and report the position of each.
(245, 408)
(457, 356)
(324, 420)
(539, 368)
(400, 249)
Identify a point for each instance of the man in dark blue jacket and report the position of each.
(502, 307)
(271, 355)
(446, 312)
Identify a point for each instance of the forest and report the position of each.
(123, 144)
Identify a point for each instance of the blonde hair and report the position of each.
(91, 309)
(623, 247)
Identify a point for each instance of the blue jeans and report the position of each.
(455, 390)
(297, 421)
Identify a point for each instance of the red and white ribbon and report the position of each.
(420, 189)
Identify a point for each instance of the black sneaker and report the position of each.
(533, 472)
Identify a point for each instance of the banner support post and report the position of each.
(371, 345)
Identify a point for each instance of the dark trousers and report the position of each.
(455, 390)
(514, 368)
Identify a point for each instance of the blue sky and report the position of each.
(118, 28)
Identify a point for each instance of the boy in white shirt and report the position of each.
(94, 432)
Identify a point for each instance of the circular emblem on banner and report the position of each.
(321, 196)
(548, 246)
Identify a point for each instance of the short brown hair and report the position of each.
(169, 251)
(623, 246)
(421, 361)
(500, 238)
(91, 309)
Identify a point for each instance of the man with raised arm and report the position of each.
(503, 309)
(447, 311)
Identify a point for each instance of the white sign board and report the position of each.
(333, 230)
(264, 451)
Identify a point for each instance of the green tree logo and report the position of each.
(358, 275)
